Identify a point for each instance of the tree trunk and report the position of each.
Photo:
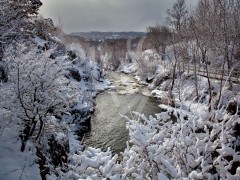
(195, 75)
(173, 76)
(163, 52)
(221, 84)
(40, 128)
(29, 134)
(209, 88)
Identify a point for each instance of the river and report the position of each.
(108, 128)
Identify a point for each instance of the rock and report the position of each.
(58, 149)
(42, 162)
(59, 51)
(159, 79)
(173, 117)
(236, 130)
(76, 61)
(74, 73)
(1, 52)
(82, 115)
(82, 119)
(72, 55)
(149, 79)
(232, 107)
(84, 127)
(3, 72)
(44, 47)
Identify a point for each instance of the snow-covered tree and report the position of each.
(13, 19)
(41, 88)
(177, 15)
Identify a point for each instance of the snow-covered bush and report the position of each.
(194, 147)
(41, 88)
(94, 164)
(14, 19)
(147, 62)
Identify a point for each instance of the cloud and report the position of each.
(107, 15)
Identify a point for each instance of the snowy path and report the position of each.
(201, 71)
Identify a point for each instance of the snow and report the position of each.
(162, 176)
(101, 86)
(185, 141)
(60, 136)
(181, 135)
(14, 163)
(74, 144)
(39, 41)
(22, 165)
(128, 68)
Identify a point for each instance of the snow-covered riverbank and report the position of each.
(61, 134)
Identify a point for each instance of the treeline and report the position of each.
(205, 38)
(213, 27)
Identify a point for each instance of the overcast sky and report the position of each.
(107, 15)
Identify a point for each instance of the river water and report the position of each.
(108, 128)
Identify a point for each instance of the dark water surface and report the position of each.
(108, 128)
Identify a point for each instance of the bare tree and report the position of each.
(177, 15)
(176, 54)
(159, 37)
(203, 31)
(226, 35)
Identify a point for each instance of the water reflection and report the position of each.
(108, 127)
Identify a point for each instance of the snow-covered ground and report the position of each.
(14, 163)
(184, 90)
